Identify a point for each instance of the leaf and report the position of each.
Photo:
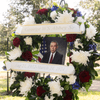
(79, 23)
(66, 87)
(96, 65)
(35, 56)
(94, 73)
(35, 52)
(83, 17)
(55, 4)
(75, 19)
(6, 53)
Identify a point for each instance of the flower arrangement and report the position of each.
(83, 57)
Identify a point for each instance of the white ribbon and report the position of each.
(40, 67)
(55, 28)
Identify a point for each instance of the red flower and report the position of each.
(40, 91)
(84, 76)
(75, 11)
(42, 11)
(68, 95)
(16, 41)
(27, 55)
(70, 37)
(27, 74)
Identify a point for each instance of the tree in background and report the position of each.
(20, 9)
(94, 7)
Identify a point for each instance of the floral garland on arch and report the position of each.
(82, 55)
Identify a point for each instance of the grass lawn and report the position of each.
(98, 77)
(2, 59)
(91, 95)
(3, 93)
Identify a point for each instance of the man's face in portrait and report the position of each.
(53, 47)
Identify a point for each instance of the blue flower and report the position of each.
(79, 14)
(71, 45)
(49, 77)
(54, 8)
(76, 86)
(92, 47)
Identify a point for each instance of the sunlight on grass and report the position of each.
(3, 92)
(91, 95)
(98, 77)
(3, 84)
(7, 97)
(3, 72)
(2, 59)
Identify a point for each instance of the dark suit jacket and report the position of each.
(56, 60)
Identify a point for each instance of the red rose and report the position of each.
(40, 91)
(70, 37)
(42, 11)
(75, 11)
(68, 95)
(27, 74)
(84, 76)
(27, 55)
(16, 41)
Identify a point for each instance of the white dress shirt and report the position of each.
(51, 55)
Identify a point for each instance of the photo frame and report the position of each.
(62, 46)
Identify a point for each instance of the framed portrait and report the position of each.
(53, 50)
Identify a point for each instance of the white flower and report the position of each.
(29, 21)
(79, 19)
(43, 35)
(15, 53)
(13, 74)
(65, 17)
(77, 43)
(60, 78)
(82, 28)
(55, 87)
(53, 14)
(80, 56)
(71, 79)
(51, 98)
(28, 40)
(90, 32)
(25, 86)
(45, 22)
(12, 79)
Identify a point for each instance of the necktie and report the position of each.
(51, 58)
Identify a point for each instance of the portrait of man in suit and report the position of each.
(53, 56)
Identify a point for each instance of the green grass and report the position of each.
(91, 95)
(98, 77)
(3, 92)
(3, 59)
